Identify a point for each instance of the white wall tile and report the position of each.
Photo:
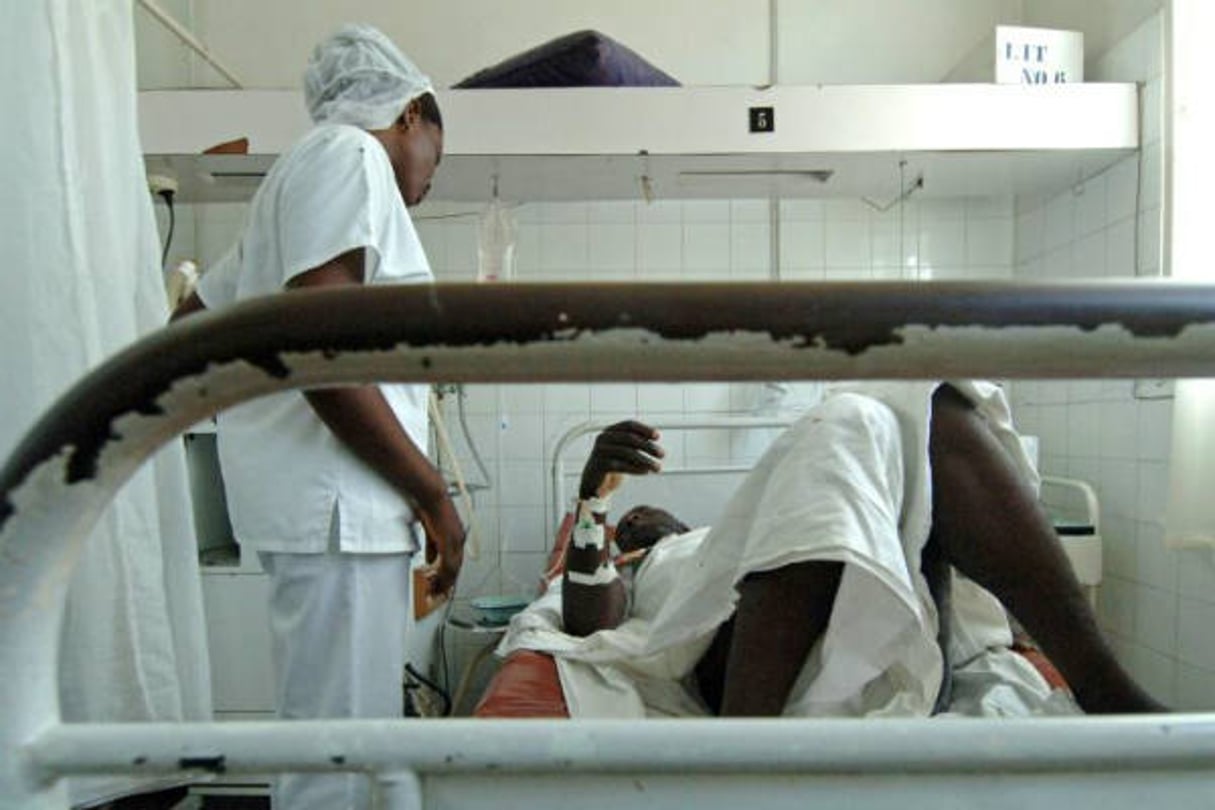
(1123, 182)
(611, 212)
(1030, 234)
(835, 211)
(1195, 688)
(989, 208)
(989, 242)
(802, 210)
(802, 245)
(848, 244)
(567, 399)
(462, 246)
(1156, 619)
(847, 274)
(1155, 429)
(659, 247)
(1116, 606)
(1155, 564)
(714, 212)
(480, 576)
(938, 210)
(483, 430)
(1196, 633)
(434, 242)
(564, 248)
(1120, 249)
(1153, 490)
(1088, 256)
(1091, 212)
(521, 484)
(659, 398)
(527, 251)
(755, 211)
(1151, 177)
(750, 246)
(668, 212)
(1060, 221)
(943, 243)
(706, 397)
(1196, 569)
(1084, 431)
(1120, 487)
(563, 213)
(1149, 243)
(1117, 431)
(706, 247)
(613, 398)
(521, 398)
(888, 250)
(1154, 671)
(1152, 43)
(1119, 547)
(522, 436)
(527, 213)
(802, 273)
(524, 528)
(707, 447)
(521, 572)
(1057, 264)
(480, 398)
(612, 246)
(1152, 110)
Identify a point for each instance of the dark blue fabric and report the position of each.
(581, 59)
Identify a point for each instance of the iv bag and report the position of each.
(496, 243)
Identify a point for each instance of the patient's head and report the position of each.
(643, 526)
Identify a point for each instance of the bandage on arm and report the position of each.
(593, 595)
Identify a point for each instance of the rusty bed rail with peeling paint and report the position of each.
(69, 466)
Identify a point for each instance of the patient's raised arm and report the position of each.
(593, 595)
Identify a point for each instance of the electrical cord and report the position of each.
(472, 446)
(429, 684)
(167, 196)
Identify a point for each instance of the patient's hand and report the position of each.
(625, 448)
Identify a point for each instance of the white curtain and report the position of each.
(1190, 518)
(81, 278)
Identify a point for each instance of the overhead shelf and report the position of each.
(691, 142)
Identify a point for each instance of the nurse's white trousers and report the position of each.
(338, 622)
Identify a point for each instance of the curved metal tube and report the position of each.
(69, 466)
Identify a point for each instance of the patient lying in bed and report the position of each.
(852, 574)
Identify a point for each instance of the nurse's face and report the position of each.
(418, 152)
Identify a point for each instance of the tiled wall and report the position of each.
(1158, 605)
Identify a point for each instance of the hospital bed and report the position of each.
(527, 683)
(69, 466)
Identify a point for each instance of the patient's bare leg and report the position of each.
(780, 615)
(991, 528)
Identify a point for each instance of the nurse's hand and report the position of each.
(444, 545)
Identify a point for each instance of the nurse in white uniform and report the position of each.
(329, 485)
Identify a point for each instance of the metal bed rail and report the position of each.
(69, 466)
(558, 473)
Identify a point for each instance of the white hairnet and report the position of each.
(359, 77)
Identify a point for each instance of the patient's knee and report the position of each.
(794, 586)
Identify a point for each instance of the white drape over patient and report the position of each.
(850, 482)
(82, 279)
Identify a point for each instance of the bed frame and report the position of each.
(69, 466)
(724, 476)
